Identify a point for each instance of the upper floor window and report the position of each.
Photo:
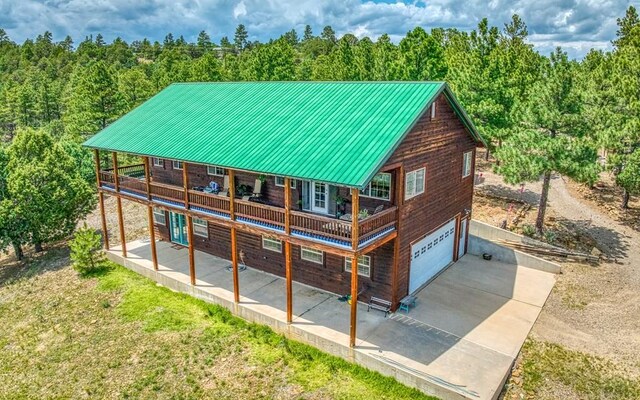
(177, 164)
(379, 187)
(467, 158)
(364, 265)
(157, 162)
(414, 183)
(200, 227)
(215, 171)
(280, 182)
(433, 110)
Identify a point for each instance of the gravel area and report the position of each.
(593, 309)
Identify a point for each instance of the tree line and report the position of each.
(540, 114)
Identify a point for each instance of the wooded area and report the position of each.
(540, 114)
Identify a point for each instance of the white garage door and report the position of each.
(430, 255)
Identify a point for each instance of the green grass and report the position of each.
(588, 376)
(119, 335)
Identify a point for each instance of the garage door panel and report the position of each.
(431, 254)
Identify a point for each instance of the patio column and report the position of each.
(103, 218)
(287, 247)
(399, 199)
(116, 182)
(192, 260)
(355, 209)
(152, 232)
(234, 244)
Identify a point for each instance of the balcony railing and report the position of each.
(302, 223)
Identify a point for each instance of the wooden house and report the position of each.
(306, 180)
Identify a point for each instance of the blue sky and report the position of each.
(576, 25)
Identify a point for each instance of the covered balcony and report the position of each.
(375, 219)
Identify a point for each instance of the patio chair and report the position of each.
(257, 191)
(225, 187)
(378, 209)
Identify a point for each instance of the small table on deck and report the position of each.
(406, 302)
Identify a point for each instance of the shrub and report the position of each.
(549, 237)
(528, 230)
(86, 251)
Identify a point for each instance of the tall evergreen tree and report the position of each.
(240, 37)
(552, 138)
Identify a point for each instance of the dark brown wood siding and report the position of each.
(329, 275)
(438, 145)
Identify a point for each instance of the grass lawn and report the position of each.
(119, 335)
(550, 371)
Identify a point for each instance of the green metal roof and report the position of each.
(334, 132)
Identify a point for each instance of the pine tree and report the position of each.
(553, 134)
(308, 33)
(240, 37)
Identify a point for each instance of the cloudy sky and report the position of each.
(576, 25)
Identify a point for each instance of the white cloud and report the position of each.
(576, 25)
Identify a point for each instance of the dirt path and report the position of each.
(592, 309)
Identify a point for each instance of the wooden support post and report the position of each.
(456, 239)
(396, 244)
(152, 232)
(234, 243)
(355, 209)
(103, 218)
(192, 261)
(185, 185)
(287, 247)
(116, 182)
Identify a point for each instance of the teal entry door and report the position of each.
(178, 228)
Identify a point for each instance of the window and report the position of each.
(272, 244)
(280, 182)
(414, 183)
(466, 163)
(159, 217)
(177, 164)
(312, 255)
(433, 110)
(364, 265)
(157, 162)
(200, 227)
(379, 187)
(215, 171)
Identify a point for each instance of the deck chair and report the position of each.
(257, 191)
(378, 209)
(225, 187)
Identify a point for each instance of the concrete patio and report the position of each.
(459, 341)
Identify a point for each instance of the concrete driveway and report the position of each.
(469, 324)
(459, 341)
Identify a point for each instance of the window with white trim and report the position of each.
(414, 183)
(157, 162)
(312, 255)
(466, 163)
(280, 182)
(177, 164)
(379, 187)
(200, 227)
(159, 217)
(433, 110)
(272, 244)
(364, 265)
(215, 170)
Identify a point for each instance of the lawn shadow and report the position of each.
(52, 259)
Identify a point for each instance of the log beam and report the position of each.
(396, 244)
(234, 240)
(103, 218)
(355, 209)
(116, 182)
(152, 232)
(192, 261)
(287, 248)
